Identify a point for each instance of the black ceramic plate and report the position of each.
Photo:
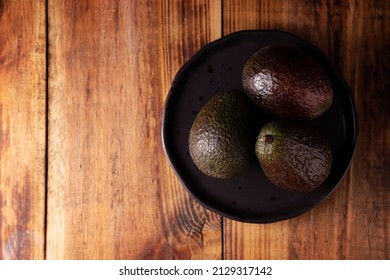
(249, 197)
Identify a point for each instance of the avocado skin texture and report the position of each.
(294, 155)
(222, 138)
(287, 83)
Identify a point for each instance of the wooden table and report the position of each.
(83, 174)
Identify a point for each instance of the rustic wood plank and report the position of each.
(369, 198)
(111, 192)
(22, 129)
(354, 222)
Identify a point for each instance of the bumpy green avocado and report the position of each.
(221, 138)
(294, 155)
(287, 83)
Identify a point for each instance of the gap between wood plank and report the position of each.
(46, 126)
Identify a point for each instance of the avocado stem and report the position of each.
(268, 139)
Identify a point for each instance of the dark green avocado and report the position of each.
(221, 138)
(287, 83)
(294, 155)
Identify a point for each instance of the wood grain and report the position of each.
(354, 222)
(111, 192)
(22, 129)
(369, 197)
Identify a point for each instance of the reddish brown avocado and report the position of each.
(294, 155)
(287, 83)
(222, 137)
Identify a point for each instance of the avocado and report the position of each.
(294, 155)
(287, 83)
(222, 137)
